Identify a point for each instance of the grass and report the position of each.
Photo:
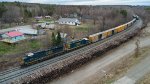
(46, 20)
(7, 49)
(82, 27)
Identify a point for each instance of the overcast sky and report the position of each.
(88, 2)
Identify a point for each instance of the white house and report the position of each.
(69, 21)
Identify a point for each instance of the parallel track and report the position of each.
(9, 71)
(15, 73)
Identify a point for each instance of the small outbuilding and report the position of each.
(69, 21)
(48, 17)
(47, 25)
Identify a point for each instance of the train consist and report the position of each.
(32, 58)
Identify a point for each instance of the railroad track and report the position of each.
(9, 71)
(17, 72)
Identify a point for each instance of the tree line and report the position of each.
(17, 12)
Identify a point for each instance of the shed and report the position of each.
(48, 17)
(47, 25)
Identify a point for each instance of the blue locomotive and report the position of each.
(32, 58)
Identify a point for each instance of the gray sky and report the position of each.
(88, 2)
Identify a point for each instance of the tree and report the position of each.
(27, 13)
(2, 9)
(59, 40)
(12, 15)
(53, 39)
(124, 13)
(50, 10)
(17, 3)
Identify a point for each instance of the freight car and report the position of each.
(35, 57)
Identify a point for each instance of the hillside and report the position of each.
(103, 17)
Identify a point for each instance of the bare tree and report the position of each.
(12, 15)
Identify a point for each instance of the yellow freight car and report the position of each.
(93, 38)
(118, 29)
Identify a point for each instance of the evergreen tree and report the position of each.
(59, 40)
(50, 10)
(27, 13)
(53, 39)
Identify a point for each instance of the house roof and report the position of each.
(68, 20)
(27, 31)
(14, 34)
(38, 17)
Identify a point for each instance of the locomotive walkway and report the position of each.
(17, 73)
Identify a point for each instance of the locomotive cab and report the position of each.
(30, 54)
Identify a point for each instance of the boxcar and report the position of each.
(114, 31)
(94, 37)
(101, 35)
(108, 32)
(118, 29)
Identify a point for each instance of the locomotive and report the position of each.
(32, 58)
